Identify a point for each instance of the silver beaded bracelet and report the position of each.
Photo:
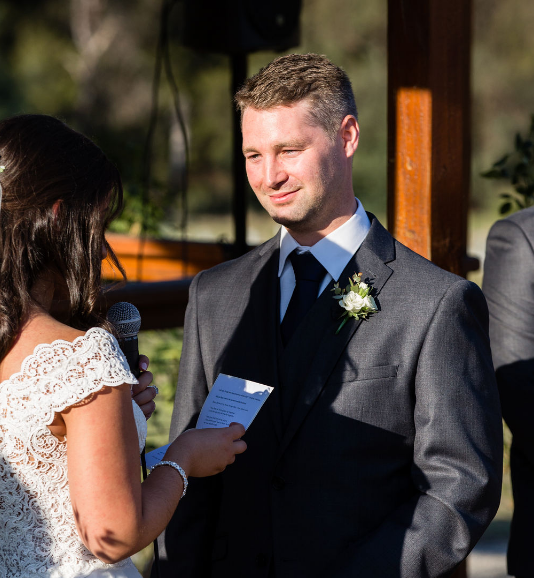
(178, 468)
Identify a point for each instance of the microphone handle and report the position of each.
(130, 348)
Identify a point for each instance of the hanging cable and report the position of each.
(179, 116)
(162, 58)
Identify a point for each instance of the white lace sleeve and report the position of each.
(65, 373)
(72, 371)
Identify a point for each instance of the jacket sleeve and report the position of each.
(185, 546)
(509, 289)
(457, 453)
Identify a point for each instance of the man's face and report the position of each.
(300, 175)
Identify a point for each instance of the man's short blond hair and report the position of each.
(296, 77)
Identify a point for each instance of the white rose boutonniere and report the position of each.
(355, 299)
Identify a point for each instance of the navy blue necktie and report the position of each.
(308, 275)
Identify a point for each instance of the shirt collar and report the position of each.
(336, 249)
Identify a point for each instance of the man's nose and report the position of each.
(275, 174)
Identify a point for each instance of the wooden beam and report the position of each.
(163, 260)
(429, 146)
(413, 159)
(161, 304)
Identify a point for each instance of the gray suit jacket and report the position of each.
(390, 462)
(509, 289)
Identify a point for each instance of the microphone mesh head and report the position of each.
(125, 318)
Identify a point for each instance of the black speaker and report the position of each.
(241, 26)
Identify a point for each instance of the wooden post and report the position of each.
(429, 145)
(239, 63)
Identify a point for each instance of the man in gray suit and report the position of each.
(509, 288)
(378, 454)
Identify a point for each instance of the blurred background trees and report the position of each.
(91, 62)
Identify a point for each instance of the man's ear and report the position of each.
(350, 134)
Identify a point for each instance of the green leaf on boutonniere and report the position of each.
(341, 326)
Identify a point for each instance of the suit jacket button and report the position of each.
(262, 560)
(278, 483)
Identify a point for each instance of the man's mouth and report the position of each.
(282, 196)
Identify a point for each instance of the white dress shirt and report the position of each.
(333, 252)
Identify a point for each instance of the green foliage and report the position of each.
(516, 167)
(164, 349)
(95, 70)
(502, 66)
(136, 212)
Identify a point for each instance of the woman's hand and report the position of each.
(142, 393)
(206, 452)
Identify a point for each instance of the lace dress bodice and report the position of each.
(38, 534)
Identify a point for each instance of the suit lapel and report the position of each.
(324, 319)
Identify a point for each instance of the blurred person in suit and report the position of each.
(509, 289)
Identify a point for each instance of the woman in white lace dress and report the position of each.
(71, 500)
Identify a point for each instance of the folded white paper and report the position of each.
(232, 399)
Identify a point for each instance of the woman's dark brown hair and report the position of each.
(59, 193)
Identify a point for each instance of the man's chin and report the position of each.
(286, 222)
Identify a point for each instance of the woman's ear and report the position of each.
(56, 206)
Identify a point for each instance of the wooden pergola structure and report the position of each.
(429, 131)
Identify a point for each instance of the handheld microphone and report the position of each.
(126, 320)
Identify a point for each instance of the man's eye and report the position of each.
(252, 157)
